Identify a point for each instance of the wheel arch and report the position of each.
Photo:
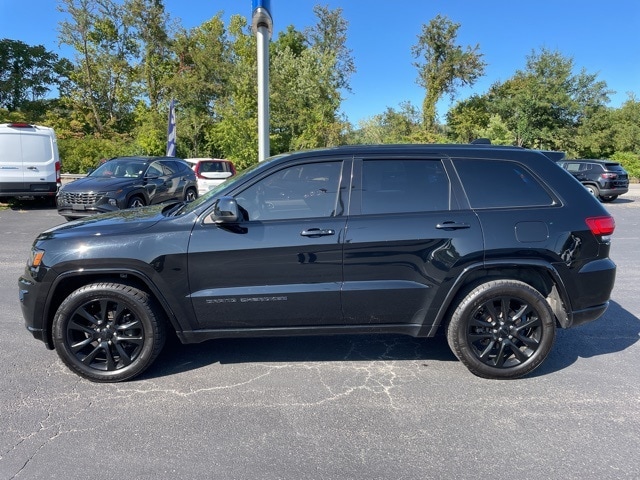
(138, 192)
(540, 275)
(70, 281)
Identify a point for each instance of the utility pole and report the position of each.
(262, 27)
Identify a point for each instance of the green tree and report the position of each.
(201, 82)
(468, 118)
(392, 126)
(235, 133)
(103, 80)
(546, 102)
(443, 66)
(157, 62)
(27, 74)
(626, 127)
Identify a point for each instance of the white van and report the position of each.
(29, 161)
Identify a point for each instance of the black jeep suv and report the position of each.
(604, 179)
(494, 246)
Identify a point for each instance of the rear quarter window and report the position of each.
(499, 184)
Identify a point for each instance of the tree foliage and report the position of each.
(442, 65)
(131, 59)
(27, 74)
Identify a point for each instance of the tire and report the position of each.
(502, 329)
(593, 190)
(136, 202)
(190, 195)
(108, 332)
(609, 198)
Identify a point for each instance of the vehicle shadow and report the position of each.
(620, 200)
(616, 331)
(177, 358)
(36, 203)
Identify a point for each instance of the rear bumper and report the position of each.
(609, 192)
(590, 294)
(20, 189)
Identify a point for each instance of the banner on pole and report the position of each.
(171, 131)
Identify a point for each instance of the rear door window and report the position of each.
(499, 183)
(404, 185)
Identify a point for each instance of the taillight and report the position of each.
(58, 167)
(609, 176)
(20, 125)
(601, 225)
(197, 171)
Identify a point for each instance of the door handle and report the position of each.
(32, 168)
(452, 226)
(317, 232)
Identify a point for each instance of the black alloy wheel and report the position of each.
(502, 329)
(108, 332)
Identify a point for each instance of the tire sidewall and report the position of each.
(457, 331)
(137, 301)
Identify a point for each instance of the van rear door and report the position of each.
(29, 161)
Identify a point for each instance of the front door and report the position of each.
(282, 265)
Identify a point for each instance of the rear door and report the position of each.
(39, 156)
(11, 168)
(282, 266)
(407, 237)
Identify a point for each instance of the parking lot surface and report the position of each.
(353, 407)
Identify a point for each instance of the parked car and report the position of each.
(397, 239)
(29, 161)
(211, 172)
(604, 179)
(127, 182)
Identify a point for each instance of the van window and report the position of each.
(36, 148)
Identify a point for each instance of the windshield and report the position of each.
(116, 168)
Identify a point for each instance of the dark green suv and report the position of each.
(495, 247)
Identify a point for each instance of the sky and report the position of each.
(601, 37)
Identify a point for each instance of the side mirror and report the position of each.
(226, 210)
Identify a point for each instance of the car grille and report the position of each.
(71, 198)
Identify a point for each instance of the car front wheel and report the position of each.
(135, 202)
(108, 332)
(190, 195)
(502, 329)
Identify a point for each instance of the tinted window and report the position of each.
(491, 183)
(214, 167)
(155, 169)
(395, 186)
(300, 191)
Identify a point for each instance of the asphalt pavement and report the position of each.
(357, 407)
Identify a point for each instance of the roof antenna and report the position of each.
(481, 141)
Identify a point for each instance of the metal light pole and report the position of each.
(262, 26)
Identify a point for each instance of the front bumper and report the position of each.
(33, 306)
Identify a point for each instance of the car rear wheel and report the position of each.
(108, 332)
(502, 329)
(135, 202)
